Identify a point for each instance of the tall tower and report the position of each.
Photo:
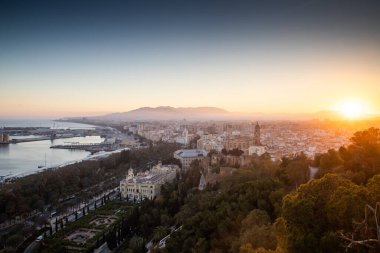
(257, 135)
(185, 135)
(202, 183)
(131, 175)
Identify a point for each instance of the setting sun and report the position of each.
(352, 109)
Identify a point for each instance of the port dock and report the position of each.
(42, 138)
(91, 147)
(77, 146)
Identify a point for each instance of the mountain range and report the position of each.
(168, 113)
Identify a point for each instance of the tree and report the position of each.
(346, 204)
(247, 248)
(14, 240)
(318, 210)
(235, 152)
(111, 239)
(136, 244)
(366, 234)
(366, 138)
(295, 170)
(329, 161)
(373, 187)
(364, 153)
(159, 233)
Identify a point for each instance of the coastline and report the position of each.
(85, 122)
(58, 163)
(91, 156)
(96, 156)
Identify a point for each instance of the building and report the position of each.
(187, 156)
(183, 138)
(202, 183)
(238, 142)
(147, 184)
(4, 138)
(243, 142)
(209, 142)
(257, 135)
(258, 150)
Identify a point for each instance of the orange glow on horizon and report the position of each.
(353, 109)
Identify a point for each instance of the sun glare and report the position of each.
(352, 109)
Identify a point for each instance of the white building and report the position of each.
(187, 156)
(210, 142)
(147, 184)
(258, 150)
(202, 183)
(184, 138)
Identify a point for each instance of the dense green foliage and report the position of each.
(226, 215)
(213, 220)
(328, 214)
(84, 179)
(358, 162)
(275, 207)
(233, 152)
(59, 242)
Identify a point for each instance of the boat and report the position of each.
(42, 166)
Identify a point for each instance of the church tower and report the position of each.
(131, 175)
(185, 135)
(257, 135)
(202, 183)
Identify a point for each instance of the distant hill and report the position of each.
(167, 113)
(163, 113)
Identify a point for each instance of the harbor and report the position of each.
(28, 149)
(41, 138)
(19, 159)
(91, 147)
(95, 156)
(14, 135)
(26, 146)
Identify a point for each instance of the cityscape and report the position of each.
(201, 126)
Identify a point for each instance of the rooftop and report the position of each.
(188, 153)
(158, 173)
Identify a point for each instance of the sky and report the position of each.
(78, 58)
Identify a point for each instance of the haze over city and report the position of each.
(61, 59)
(207, 126)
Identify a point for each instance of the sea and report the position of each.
(21, 159)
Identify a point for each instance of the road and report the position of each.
(33, 247)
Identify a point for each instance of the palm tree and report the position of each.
(136, 243)
(159, 233)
